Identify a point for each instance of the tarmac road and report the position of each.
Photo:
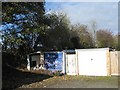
(76, 82)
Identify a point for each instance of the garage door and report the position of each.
(92, 62)
(71, 64)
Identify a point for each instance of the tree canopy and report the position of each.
(22, 23)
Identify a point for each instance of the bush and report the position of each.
(13, 60)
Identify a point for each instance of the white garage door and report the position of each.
(92, 63)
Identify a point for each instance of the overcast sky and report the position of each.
(104, 13)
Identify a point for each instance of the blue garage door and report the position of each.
(53, 61)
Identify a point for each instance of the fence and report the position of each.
(115, 59)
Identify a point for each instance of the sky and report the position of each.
(105, 14)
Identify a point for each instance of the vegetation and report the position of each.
(105, 39)
(81, 36)
(27, 28)
(23, 25)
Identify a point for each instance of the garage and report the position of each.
(93, 62)
(35, 61)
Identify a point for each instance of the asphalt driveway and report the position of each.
(75, 82)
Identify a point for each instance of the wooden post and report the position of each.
(108, 63)
(77, 62)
